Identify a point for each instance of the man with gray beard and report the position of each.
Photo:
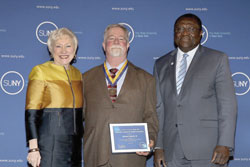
(116, 92)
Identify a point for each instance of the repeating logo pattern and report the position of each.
(204, 35)
(12, 82)
(131, 31)
(241, 83)
(43, 30)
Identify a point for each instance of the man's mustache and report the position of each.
(116, 47)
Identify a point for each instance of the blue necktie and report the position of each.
(182, 72)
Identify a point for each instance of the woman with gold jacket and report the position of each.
(53, 112)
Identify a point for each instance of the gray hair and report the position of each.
(114, 26)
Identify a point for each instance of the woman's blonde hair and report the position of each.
(55, 35)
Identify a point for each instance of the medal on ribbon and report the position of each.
(113, 81)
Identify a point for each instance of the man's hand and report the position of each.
(34, 158)
(220, 155)
(151, 145)
(159, 158)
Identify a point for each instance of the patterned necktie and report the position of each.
(112, 89)
(182, 73)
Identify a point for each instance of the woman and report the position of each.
(53, 112)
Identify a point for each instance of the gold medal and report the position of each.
(112, 92)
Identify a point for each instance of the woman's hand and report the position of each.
(34, 158)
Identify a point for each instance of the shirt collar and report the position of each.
(118, 67)
(190, 53)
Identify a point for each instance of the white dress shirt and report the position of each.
(122, 78)
(190, 57)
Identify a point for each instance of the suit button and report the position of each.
(176, 125)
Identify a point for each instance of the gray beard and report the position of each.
(115, 52)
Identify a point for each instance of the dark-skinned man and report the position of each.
(196, 102)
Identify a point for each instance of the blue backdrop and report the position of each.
(26, 24)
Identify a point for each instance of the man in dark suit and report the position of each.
(116, 92)
(196, 102)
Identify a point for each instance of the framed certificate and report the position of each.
(129, 137)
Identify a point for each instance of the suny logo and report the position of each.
(12, 82)
(130, 30)
(241, 83)
(43, 30)
(204, 35)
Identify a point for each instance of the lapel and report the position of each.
(172, 69)
(167, 73)
(128, 81)
(101, 82)
(192, 68)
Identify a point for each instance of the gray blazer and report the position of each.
(204, 113)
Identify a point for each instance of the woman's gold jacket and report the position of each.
(53, 101)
